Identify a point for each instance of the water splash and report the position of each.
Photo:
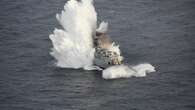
(124, 71)
(73, 45)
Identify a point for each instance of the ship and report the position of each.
(107, 53)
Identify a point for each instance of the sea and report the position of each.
(160, 32)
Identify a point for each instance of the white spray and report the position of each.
(73, 45)
(124, 71)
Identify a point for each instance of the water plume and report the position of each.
(73, 44)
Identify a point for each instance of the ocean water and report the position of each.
(159, 32)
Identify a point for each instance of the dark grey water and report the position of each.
(161, 32)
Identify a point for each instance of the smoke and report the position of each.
(124, 71)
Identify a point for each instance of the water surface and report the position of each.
(158, 32)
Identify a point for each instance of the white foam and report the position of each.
(124, 71)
